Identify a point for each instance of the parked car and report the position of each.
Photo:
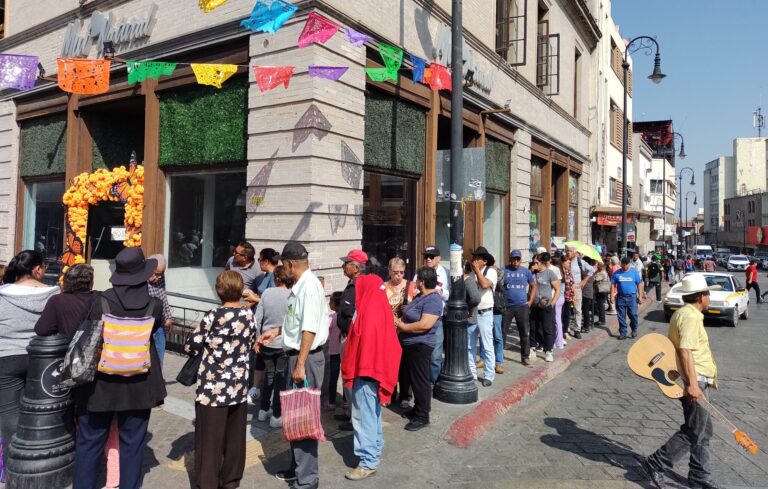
(737, 263)
(762, 259)
(729, 304)
(722, 259)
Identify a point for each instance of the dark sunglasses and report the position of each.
(430, 257)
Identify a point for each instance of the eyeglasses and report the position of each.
(236, 253)
(430, 257)
(397, 272)
(159, 275)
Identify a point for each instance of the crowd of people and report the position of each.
(276, 330)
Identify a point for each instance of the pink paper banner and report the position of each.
(269, 77)
(317, 29)
(18, 71)
(327, 72)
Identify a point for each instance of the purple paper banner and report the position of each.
(327, 72)
(18, 71)
(356, 38)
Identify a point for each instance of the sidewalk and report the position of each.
(170, 454)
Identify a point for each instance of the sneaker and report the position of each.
(275, 422)
(702, 485)
(286, 475)
(405, 404)
(416, 424)
(657, 478)
(486, 383)
(264, 415)
(622, 337)
(532, 356)
(577, 335)
(253, 395)
(525, 362)
(499, 369)
(549, 357)
(359, 473)
(634, 334)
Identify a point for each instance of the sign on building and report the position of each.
(79, 39)
(472, 176)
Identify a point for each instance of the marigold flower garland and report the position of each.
(119, 185)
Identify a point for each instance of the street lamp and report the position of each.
(664, 186)
(454, 384)
(680, 193)
(646, 43)
(686, 213)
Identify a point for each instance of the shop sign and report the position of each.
(105, 28)
(757, 235)
(472, 176)
(611, 219)
(631, 232)
(482, 76)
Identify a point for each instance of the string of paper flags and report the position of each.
(91, 76)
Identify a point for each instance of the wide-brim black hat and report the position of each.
(483, 253)
(131, 268)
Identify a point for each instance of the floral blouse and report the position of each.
(227, 335)
(569, 292)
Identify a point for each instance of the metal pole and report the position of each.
(454, 384)
(664, 203)
(625, 149)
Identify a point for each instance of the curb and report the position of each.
(469, 428)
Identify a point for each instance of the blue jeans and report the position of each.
(366, 421)
(159, 337)
(626, 304)
(472, 351)
(437, 353)
(484, 330)
(498, 339)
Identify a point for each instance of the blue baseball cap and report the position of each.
(515, 254)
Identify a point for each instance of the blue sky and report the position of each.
(712, 54)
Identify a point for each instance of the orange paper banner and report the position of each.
(84, 76)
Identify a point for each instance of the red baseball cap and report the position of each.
(359, 256)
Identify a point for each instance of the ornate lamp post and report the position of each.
(686, 214)
(645, 43)
(664, 186)
(455, 384)
(680, 193)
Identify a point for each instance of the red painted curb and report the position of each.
(467, 429)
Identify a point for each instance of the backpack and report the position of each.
(499, 294)
(125, 351)
(653, 270)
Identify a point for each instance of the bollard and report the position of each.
(42, 452)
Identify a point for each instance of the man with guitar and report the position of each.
(687, 333)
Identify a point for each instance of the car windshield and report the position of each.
(724, 282)
(738, 257)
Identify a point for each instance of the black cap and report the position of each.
(431, 250)
(483, 253)
(293, 250)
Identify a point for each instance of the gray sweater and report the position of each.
(271, 311)
(20, 308)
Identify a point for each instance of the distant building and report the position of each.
(745, 223)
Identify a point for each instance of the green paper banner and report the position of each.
(381, 74)
(138, 71)
(391, 55)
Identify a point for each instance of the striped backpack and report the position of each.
(126, 343)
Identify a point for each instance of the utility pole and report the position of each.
(455, 384)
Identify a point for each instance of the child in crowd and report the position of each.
(334, 354)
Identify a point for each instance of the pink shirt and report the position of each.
(334, 336)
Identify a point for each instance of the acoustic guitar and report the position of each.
(653, 357)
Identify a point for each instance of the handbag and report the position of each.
(84, 351)
(301, 414)
(188, 373)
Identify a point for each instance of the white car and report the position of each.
(737, 262)
(729, 304)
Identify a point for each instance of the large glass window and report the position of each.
(573, 203)
(44, 221)
(493, 225)
(388, 220)
(207, 218)
(534, 217)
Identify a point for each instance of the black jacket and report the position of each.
(346, 308)
(108, 393)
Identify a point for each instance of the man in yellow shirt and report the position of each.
(687, 333)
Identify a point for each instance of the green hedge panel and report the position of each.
(497, 164)
(203, 125)
(43, 146)
(395, 133)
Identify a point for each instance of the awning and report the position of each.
(630, 211)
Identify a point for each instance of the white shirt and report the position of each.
(486, 299)
(307, 311)
(638, 266)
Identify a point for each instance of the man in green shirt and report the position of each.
(687, 333)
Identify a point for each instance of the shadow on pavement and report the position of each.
(596, 448)
(183, 448)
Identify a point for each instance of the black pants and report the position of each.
(13, 377)
(588, 313)
(272, 361)
(693, 436)
(543, 321)
(219, 446)
(418, 360)
(756, 287)
(600, 299)
(92, 433)
(521, 315)
(565, 317)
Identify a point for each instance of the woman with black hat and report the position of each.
(130, 399)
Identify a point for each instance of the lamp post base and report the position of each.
(455, 384)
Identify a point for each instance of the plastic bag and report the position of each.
(301, 414)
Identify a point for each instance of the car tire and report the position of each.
(734, 321)
(745, 313)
